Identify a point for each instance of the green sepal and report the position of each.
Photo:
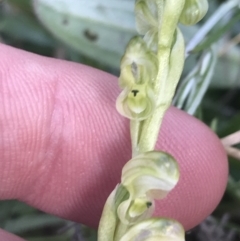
(109, 220)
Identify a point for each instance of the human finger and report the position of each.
(63, 144)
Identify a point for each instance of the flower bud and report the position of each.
(137, 102)
(156, 229)
(193, 11)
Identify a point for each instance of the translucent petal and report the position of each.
(151, 38)
(153, 8)
(153, 187)
(152, 170)
(146, 15)
(142, 24)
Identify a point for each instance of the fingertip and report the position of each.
(203, 168)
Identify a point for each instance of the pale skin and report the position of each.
(63, 144)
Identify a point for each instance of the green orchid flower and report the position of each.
(136, 102)
(148, 176)
(139, 65)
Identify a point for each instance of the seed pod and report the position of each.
(137, 102)
(193, 11)
(156, 229)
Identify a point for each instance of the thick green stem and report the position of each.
(168, 20)
(150, 130)
(135, 131)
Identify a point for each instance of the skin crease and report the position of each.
(63, 144)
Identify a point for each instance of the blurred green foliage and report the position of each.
(24, 5)
(220, 108)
